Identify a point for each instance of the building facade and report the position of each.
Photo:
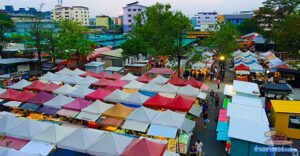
(129, 12)
(25, 26)
(206, 21)
(103, 21)
(238, 19)
(118, 20)
(23, 12)
(78, 14)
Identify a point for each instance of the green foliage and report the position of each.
(5, 24)
(224, 40)
(133, 47)
(248, 26)
(287, 35)
(19, 38)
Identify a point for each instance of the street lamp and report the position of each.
(222, 58)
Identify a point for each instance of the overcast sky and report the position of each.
(114, 7)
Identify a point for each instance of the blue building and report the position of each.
(237, 19)
(194, 21)
(26, 25)
(22, 11)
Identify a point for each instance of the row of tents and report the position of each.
(246, 62)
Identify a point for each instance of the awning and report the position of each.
(13, 104)
(67, 113)
(162, 131)
(188, 125)
(135, 125)
(41, 148)
(222, 127)
(228, 90)
(88, 116)
(196, 110)
(223, 136)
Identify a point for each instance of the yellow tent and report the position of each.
(118, 111)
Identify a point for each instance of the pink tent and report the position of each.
(117, 84)
(41, 98)
(14, 143)
(102, 75)
(103, 82)
(77, 105)
(98, 51)
(99, 94)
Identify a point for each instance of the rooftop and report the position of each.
(282, 106)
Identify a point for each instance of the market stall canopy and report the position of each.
(103, 82)
(252, 88)
(145, 78)
(168, 88)
(30, 106)
(54, 134)
(58, 101)
(65, 71)
(193, 82)
(67, 113)
(247, 100)
(135, 100)
(188, 125)
(60, 78)
(89, 73)
(117, 96)
(64, 90)
(129, 77)
(134, 85)
(162, 131)
(150, 87)
(162, 71)
(142, 114)
(176, 81)
(117, 84)
(48, 110)
(73, 79)
(111, 144)
(169, 118)
(157, 102)
(78, 72)
(12, 152)
(135, 125)
(81, 92)
(144, 146)
(247, 112)
(77, 105)
(272, 88)
(81, 139)
(23, 96)
(39, 148)
(102, 75)
(41, 98)
(12, 104)
(202, 95)
(94, 111)
(283, 106)
(228, 90)
(115, 76)
(159, 80)
(2, 90)
(180, 104)
(188, 90)
(20, 85)
(87, 81)
(196, 110)
(256, 68)
(118, 111)
(48, 76)
(9, 93)
(28, 129)
(98, 94)
(241, 67)
(9, 122)
(35, 86)
(114, 122)
(199, 65)
(50, 87)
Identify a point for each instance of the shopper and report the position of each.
(199, 146)
(217, 101)
(193, 151)
(205, 119)
(218, 82)
(212, 95)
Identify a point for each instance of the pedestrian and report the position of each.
(205, 119)
(199, 146)
(212, 95)
(204, 107)
(193, 151)
(218, 82)
(217, 101)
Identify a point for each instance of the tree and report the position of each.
(73, 40)
(134, 47)
(5, 24)
(248, 26)
(224, 40)
(286, 34)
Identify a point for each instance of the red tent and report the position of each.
(99, 94)
(103, 82)
(36, 86)
(193, 82)
(157, 101)
(180, 104)
(162, 71)
(117, 84)
(89, 73)
(176, 81)
(144, 147)
(241, 67)
(23, 97)
(50, 87)
(284, 66)
(41, 98)
(116, 76)
(102, 75)
(9, 94)
(145, 78)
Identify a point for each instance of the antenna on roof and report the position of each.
(59, 2)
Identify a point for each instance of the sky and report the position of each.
(114, 7)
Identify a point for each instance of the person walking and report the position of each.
(205, 119)
(199, 146)
(217, 101)
(193, 151)
(218, 82)
(212, 95)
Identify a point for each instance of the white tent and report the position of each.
(202, 95)
(110, 145)
(81, 139)
(135, 125)
(12, 152)
(20, 85)
(81, 92)
(116, 96)
(228, 90)
(88, 81)
(169, 153)
(78, 72)
(247, 100)
(189, 91)
(13, 104)
(48, 77)
(2, 90)
(54, 134)
(34, 147)
(28, 129)
(94, 111)
(188, 125)
(8, 122)
(142, 114)
(196, 110)
(134, 85)
(199, 65)
(252, 88)
(150, 87)
(168, 88)
(65, 71)
(129, 77)
(136, 99)
(159, 80)
(73, 79)
(256, 68)
(169, 118)
(60, 78)
(58, 101)
(64, 90)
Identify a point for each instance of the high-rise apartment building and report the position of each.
(129, 11)
(78, 14)
(206, 21)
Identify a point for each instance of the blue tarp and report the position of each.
(151, 94)
(222, 127)
(131, 105)
(65, 152)
(223, 136)
(163, 131)
(30, 106)
(48, 110)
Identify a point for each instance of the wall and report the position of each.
(128, 15)
(281, 121)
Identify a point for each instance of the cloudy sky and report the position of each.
(114, 7)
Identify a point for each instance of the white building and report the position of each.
(206, 21)
(129, 11)
(78, 14)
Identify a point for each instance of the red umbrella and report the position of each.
(157, 101)
(144, 147)
(180, 104)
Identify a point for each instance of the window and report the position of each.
(139, 9)
(134, 9)
(294, 122)
(206, 17)
(129, 15)
(129, 21)
(129, 9)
